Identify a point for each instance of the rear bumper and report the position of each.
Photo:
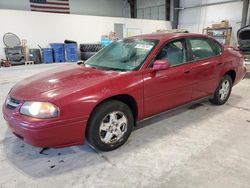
(47, 133)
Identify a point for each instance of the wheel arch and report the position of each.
(232, 74)
(125, 98)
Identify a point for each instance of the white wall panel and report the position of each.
(44, 28)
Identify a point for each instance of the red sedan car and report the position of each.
(127, 81)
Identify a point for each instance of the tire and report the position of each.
(90, 47)
(223, 91)
(87, 55)
(110, 125)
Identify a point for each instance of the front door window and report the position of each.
(174, 52)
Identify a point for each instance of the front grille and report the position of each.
(12, 103)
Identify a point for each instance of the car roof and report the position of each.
(167, 36)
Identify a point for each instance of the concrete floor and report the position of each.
(201, 146)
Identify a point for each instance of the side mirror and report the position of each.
(161, 65)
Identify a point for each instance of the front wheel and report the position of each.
(223, 91)
(110, 125)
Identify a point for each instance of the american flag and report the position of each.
(53, 6)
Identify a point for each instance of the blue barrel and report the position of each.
(105, 42)
(58, 52)
(47, 55)
(71, 52)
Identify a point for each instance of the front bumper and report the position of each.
(54, 132)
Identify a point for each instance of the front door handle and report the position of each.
(187, 71)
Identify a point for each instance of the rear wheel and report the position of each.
(110, 125)
(223, 91)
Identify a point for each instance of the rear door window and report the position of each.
(216, 46)
(201, 48)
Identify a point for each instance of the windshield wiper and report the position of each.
(81, 63)
(104, 68)
(114, 69)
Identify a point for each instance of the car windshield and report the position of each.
(124, 55)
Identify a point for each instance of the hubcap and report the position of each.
(113, 127)
(224, 90)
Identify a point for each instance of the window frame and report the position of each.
(183, 40)
(213, 41)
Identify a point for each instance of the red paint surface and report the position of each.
(77, 90)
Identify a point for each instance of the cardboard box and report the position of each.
(216, 26)
(224, 23)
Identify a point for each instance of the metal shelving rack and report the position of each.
(223, 35)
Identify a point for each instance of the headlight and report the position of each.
(39, 109)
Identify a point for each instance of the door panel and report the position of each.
(205, 66)
(166, 89)
(204, 76)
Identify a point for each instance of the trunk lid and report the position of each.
(243, 36)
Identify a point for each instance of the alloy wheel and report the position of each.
(113, 127)
(224, 90)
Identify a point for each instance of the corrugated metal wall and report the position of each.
(195, 19)
(114, 8)
(151, 9)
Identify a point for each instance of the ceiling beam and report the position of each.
(133, 8)
(175, 22)
(167, 10)
(244, 13)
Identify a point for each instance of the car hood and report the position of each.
(61, 81)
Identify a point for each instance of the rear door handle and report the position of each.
(219, 64)
(187, 71)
